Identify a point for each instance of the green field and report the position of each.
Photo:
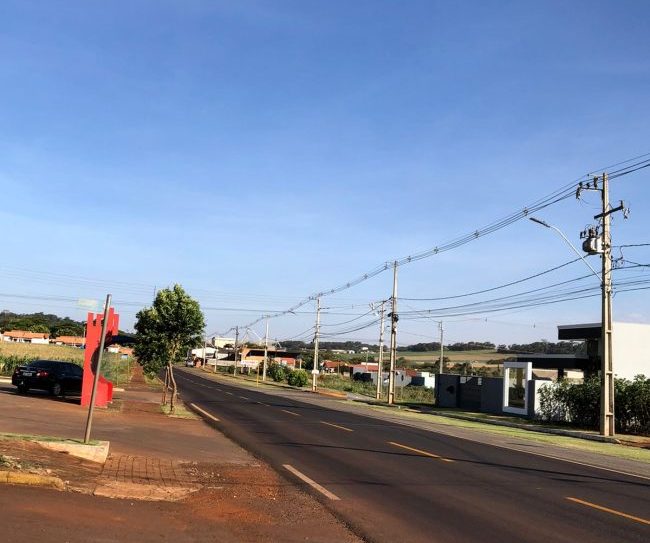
(114, 367)
(479, 358)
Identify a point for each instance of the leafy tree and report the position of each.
(166, 331)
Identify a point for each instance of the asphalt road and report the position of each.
(391, 482)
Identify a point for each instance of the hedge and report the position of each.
(579, 404)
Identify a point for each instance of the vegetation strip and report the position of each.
(337, 426)
(311, 483)
(425, 453)
(608, 510)
(204, 412)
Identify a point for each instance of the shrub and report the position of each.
(297, 378)
(579, 404)
(276, 372)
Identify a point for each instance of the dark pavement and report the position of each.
(395, 482)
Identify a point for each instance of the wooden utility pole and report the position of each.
(380, 357)
(393, 338)
(314, 371)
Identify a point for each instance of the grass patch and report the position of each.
(609, 449)
(7, 436)
(180, 412)
(408, 395)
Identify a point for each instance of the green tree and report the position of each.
(166, 331)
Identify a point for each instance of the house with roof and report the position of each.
(70, 341)
(22, 336)
(335, 366)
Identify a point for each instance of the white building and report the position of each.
(630, 345)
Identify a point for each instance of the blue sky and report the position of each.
(257, 152)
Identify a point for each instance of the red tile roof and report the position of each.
(22, 334)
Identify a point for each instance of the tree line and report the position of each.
(45, 323)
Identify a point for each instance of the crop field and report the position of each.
(475, 357)
(12, 354)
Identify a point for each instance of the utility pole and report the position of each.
(266, 350)
(607, 423)
(314, 371)
(380, 357)
(441, 368)
(236, 346)
(393, 338)
(602, 244)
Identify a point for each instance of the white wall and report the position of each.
(631, 349)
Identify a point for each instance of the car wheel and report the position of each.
(56, 390)
(22, 389)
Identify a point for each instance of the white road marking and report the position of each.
(229, 393)
(311, 482)
(204, 412)
(243, 397)
(337, 426)
(291, 413)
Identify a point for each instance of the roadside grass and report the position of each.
(153, 381)
(7, 436)
(114, 367)
(180, 412)
(408, 394)
(610, 449)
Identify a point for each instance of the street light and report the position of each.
(607, 415)
(545, 224)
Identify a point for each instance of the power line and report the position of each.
(557, 196)
(505, 285)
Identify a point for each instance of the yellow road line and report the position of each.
(290, 412)
(337, 426)
(204, 412)
(424, 453)
(608, 510)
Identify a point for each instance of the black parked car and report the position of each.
(58, 378)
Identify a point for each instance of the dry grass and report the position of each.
(48, 352)
(114, 367)
(479, 358)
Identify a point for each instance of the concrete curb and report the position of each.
(94, 453)
(30, 479)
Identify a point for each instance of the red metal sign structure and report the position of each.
(104, 394)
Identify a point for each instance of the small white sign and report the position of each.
(86, 303)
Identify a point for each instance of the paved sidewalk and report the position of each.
(167, 479)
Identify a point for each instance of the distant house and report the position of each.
(21, 336)
(334, 366)
(71, 341)
(253, 356)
